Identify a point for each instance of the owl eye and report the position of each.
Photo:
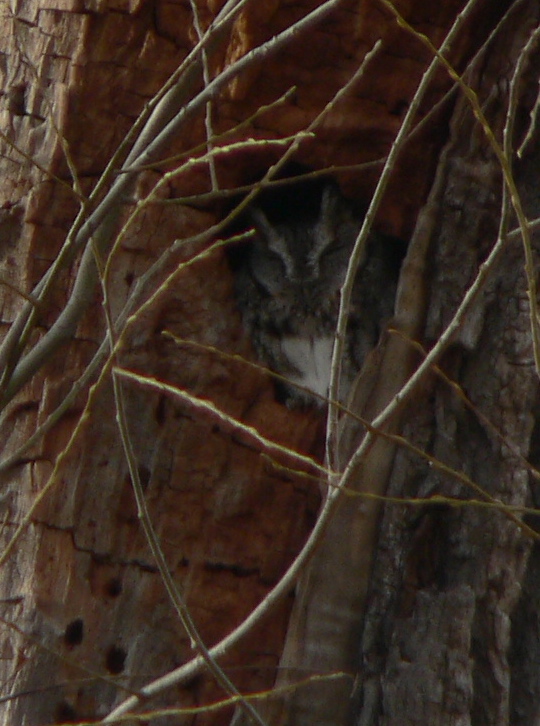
(269, 271)
(275, 267)
(274, 258)
(330, 249)
(335, 250)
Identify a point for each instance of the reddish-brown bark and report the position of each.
(82, 595)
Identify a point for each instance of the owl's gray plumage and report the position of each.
(288, 281)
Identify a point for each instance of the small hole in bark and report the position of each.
(16, 96)
(113, 587)
(115, 660)
(74, 633)
(65, 713)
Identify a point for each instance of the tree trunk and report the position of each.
(419, 610)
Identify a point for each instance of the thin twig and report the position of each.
(208, 115)
(506, 169)
(332, 445)
(65, 326)
(230, 423)
(429, 361)
(173, 592)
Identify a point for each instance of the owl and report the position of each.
(288, 280)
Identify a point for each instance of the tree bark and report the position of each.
(413, 612)
(444, 627)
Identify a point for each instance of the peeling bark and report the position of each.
(448, 633)
(446, 611)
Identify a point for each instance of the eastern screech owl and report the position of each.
(288, 280)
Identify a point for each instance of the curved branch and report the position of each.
(65, 326)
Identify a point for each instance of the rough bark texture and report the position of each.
(82, 586)
(451, 624)
(450, 599)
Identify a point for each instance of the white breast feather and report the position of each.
(313, 358)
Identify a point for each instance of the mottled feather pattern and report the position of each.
(288, 280)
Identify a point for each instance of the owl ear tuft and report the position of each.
(260, 221)
(330, 201)
(327, 222)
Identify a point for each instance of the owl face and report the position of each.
(288, 286)
(305, 260)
